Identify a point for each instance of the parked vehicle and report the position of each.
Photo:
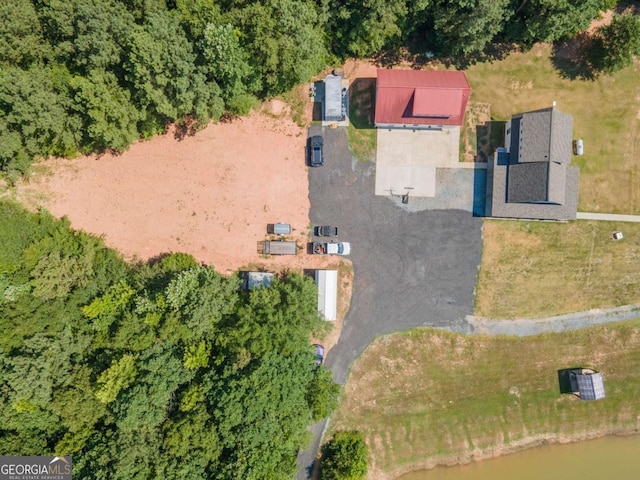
(318, 351)
(331, 248)
(325, 231)
(315, 148)
(279, 228)
(578, 147)
(270, 247)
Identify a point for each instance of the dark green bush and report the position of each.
(344, 457)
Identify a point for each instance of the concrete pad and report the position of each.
(418, 181)
(418, 153)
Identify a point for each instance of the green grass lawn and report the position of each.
(428, 394)
(606, 114)
(536, 269)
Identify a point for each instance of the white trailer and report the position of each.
(327, 282)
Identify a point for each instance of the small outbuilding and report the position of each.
(251, 280)
(334, 105)
(327, 283)
(587, 383)
(279, 228)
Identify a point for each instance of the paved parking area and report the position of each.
(456, 189)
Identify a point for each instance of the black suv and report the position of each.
(316, 156)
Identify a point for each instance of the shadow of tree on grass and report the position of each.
(362, 103)
(570, 58)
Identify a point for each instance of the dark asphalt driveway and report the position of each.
(412, 268)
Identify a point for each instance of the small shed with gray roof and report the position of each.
(531, 176)
(587, 384)
(334, 108)
(251, 280)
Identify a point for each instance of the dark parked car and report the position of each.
(325, 231)
(316, 155)
(318, 350)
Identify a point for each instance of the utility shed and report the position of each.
(587, 384)
(327, 282)
(251, 280)
(333, 111)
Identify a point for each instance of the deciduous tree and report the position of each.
(464, 27)
(178, 382)
(109, 119)
(362, 27)
(551, 20)
(285, 41)
(344, 457)
(161, 69)
(616, 44)
(33, 105)
(254, 407)
(21, 41)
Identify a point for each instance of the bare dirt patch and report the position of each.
(354, 69)
(574, 49)
(210, 195)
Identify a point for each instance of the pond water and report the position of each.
(606, 458)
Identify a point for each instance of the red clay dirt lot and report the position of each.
(210, 195)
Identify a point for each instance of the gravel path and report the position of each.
(560, 323)
(611, 217)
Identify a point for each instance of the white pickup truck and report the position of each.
(331, 248)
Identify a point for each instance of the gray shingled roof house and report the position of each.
(531, 177)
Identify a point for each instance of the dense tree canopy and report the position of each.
(551, 20)
(363, 27)
(163, 370)
(80, 76)
(94, 75)
(464, 27)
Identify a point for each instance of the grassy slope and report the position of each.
(536, 269)
(426, 396)
(606, 115)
